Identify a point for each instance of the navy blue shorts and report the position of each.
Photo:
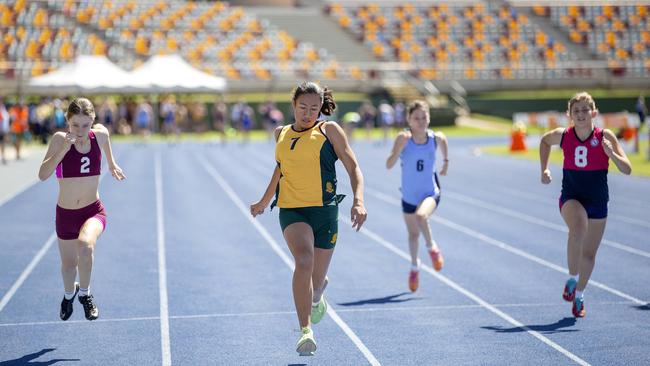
(408, 208)
(595, 209)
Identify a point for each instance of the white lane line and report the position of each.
(504, 246)
(30, 267)
(394, 201)
(537, 221)
(391, 247)
(552, 201)
(32, 264)
(162, 267)
(276, 248)
(292, 312)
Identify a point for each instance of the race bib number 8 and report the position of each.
(580, 156)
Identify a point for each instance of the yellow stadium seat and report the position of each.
(40, 18)
(31, 51)
(470, 73)
(622, 54)
(506, 72)
(378, 49)
(345, 21)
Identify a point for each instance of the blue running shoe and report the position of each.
(579, 307)
(569, 293)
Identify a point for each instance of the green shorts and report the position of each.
(324, 222)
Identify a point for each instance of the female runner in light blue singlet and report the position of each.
(416, 148)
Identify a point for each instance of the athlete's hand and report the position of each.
(609, 149)
(68, 141)
(445, 165)
(546, 176)
(117, 172)
(358, 215)
(257, 208)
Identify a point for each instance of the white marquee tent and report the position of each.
(170, 73)
(87, 74)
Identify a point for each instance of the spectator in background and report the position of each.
(368, 112)
(219, 116)
(197, 117)
(19, 124)
(350, 120)
(58, 115)
(5, 122)
(108, 114)
(236, 114)
(44, 117)
(265, 110)
(144, 119)
(247, 122)
(642, 110)
(168, 115)
(386, 118)
(400, 115)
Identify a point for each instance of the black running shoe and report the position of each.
(66, 305)
(90, 308)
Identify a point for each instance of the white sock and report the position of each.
(433, 245)
(415, 268)
(68, 295)
(84, 291)
(572, 277)
(579, 294)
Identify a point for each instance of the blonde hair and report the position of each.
(582, 97)
(417, 104)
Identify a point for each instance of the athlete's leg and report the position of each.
(575, 217)
(300, 239)
(590, 245)
(69, 261)
(88, 236)
(322, 259)
(413, 235)
(424, 211)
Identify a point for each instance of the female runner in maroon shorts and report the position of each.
(80, 217)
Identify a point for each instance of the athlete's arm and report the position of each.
(615, 152)
(60, 144)
(441, 141)
(105, 142)
(344, 152)
(549, 139)
(398, 146)
(258, 207)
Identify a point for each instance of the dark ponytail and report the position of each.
(308, 87)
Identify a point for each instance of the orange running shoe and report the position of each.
(436, 259)
(414, 280)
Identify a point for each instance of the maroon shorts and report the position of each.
(69, 222)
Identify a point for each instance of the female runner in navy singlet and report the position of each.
(76, 158)
(583, 202)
